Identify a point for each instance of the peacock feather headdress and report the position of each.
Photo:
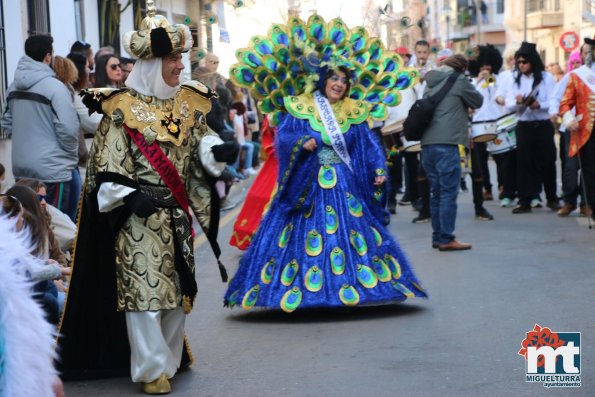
(289, 60)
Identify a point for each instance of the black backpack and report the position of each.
(421, 113)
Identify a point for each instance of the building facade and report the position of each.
(545, 21)
(97, 22)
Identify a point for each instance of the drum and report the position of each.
(483, 131)
(506, 139)
(411, 146)
(504, 142)
(398, 114)
(507, 122)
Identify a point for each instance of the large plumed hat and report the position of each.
(485, 55)
(156, 38)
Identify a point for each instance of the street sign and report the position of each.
(569, 41)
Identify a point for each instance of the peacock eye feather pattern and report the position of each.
(287, 62)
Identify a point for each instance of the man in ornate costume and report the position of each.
(580, 93)
(152, 160)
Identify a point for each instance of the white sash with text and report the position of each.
(332, 128)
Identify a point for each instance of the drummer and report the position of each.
(484, 68)
(529, 97)
(506, 167)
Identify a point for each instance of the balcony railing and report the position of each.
(544, 14)
(544, 5)
(494, 15)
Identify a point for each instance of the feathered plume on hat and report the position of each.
(291, 59)
(156, 38)
(485, 55)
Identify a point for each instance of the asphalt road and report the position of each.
(463, 341)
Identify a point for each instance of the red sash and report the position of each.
(164, 167)
(167, 171)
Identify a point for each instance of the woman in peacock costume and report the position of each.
(323, 242)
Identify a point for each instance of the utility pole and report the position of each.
(525, 21)
(208, 8)
(447, 30)
(478, 19)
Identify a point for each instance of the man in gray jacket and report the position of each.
(40, 118)
(440, 153)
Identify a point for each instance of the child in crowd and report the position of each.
(44, 247)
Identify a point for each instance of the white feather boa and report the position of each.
(26, 338)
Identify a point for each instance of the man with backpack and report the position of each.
(440, 153)
(41, 119)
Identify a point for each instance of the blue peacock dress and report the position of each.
(323, 242)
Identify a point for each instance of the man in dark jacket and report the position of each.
(44, 126)
(440, 151)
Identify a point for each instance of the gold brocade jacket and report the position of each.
(145, 247)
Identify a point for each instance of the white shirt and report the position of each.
(544, 93)
(489, 110)
(558, 94)
(505, 79)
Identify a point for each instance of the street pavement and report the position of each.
(464, 340)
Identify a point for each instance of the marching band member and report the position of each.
(485, 67)
(506, 161)
(529, 96)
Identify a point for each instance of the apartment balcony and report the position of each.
(544, 14)
(491, 21)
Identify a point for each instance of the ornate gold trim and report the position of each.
(347, 112)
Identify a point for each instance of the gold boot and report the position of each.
(158, 386)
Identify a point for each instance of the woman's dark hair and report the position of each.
(11, 206)
(80, 47)
(80, 62)
(101, 79)
(537, 68)
(34, 216)
(330, 73)
(35, 185)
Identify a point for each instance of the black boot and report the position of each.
(392, 206)
(477, 186)
(424, 192)
(481, 214)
